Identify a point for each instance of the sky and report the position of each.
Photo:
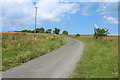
(76, 17)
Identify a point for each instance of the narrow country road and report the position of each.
(57, 64)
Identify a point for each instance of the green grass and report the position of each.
(19, 48)
(99, 60)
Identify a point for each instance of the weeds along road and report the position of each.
(57, 64)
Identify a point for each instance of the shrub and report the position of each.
(40, 30)
(77, 35)
(56, 31)
(48, 31)
(65, 32)
(100, 32)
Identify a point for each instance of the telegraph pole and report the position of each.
(35, 20)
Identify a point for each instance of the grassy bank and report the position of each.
(99, 60)
(19, 48)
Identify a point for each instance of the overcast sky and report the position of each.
(76, 17)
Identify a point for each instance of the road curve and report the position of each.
(57, 64)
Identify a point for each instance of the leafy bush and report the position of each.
(56, 31)
(100, 32)
(65, 32)
(40, 30)
(77, 35)
(48, 31)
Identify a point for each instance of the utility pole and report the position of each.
(35, 20)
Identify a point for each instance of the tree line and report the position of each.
(42, 30)
(97, 32)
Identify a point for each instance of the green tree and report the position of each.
(29, 31)
(48, 31)
(65, 32)
(77, 35)
(100, 32)
(56, 31)
(26, 31)
(40, 30)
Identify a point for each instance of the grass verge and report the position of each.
(18, 48)
(99, 60)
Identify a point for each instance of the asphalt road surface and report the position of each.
(57, 64)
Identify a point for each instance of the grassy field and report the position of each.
(18, 48)
(99, 60)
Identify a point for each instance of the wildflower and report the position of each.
(18, 44)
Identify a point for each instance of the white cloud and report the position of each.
(63, 0)
(111, 19)
(104, 0)
(20, 14)
(17, 15)
(107, 8)
(86, 9)
(104, 8)
(96, 26)
(53, 11)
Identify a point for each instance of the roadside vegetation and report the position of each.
(100, 57)
(20, 47)
(99, 60)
